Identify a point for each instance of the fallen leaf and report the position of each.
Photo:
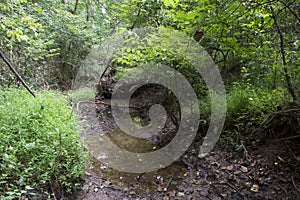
(203, 193)
(224, 195)
(132, 192)
(106, 183)
(172, 193)
(215, 164)
(236, 172)
(159, 189)
(180, 194)
(88, 174)
(244, 169)
(174, 183)
(254, 188)
(196, 182)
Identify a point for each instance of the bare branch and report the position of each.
(16, 73)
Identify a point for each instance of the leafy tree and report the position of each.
(46, 41)
(241, 36)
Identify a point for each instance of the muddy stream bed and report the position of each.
(264, 173)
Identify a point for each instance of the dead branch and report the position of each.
(16, 73)
(270, 116)
(288, 138)
(248, 157)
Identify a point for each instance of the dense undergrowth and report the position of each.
(247, 108)
(40, 150)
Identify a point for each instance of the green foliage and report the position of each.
(243, 40)
(246, 99)
(247, 107)
(137, 13)
(158, 47)
(39, 145)
(45, 41)
(241, 36)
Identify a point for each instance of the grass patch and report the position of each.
(82, 94)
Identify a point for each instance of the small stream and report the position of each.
(94, 138)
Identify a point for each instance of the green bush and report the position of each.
(40, 149)
(247, 107)
(245, 99)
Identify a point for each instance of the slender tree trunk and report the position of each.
(87, 10)
(75, 8)
(282, 51)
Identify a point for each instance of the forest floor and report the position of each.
(269, 171)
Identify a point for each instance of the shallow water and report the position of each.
(161, 179)
(98, 143)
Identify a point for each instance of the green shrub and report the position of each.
(40, 149)
(247, 107)
(252, 101)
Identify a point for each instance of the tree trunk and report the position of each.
(87, 10)
(75, 8)
(281, 36)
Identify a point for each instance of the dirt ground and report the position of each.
(269, 171)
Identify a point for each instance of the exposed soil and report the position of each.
(269, 171)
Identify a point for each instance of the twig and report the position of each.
(139, 176)
(296, 136)
(266, 121)
(234, 188)
(246, 153)
(73, 65)
(286, 193)
(106, 68)
(286, 111)
(169, 183)
(136, 19)
(295, 184)
(290, 151)
(54, 197)
(289, 8)
(16, 73)
(97, 184)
